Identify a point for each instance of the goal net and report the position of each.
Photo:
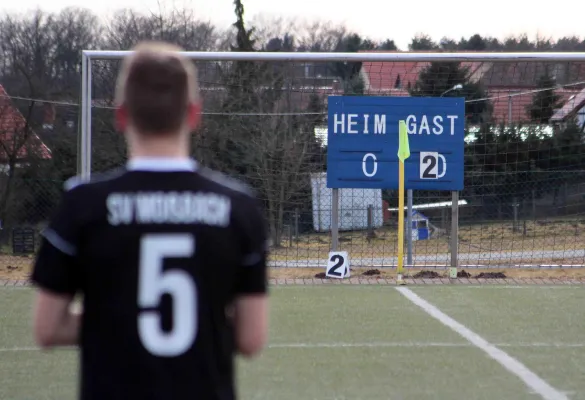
(265, 123)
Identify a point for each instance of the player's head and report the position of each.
(157, 93)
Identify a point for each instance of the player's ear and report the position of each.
(194, 115)
(121, 118)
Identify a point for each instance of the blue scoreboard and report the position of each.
(362, 142)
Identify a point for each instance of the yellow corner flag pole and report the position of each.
(403, 154)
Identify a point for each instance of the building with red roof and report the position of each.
(573, 109)
(18, 141)
(510, 86)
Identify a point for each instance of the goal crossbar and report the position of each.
(355, 57)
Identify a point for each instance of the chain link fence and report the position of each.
(24, 214)
(266, 124)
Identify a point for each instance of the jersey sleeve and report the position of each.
(252, 272)
(55, 267)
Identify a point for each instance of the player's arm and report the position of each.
(57, 278)
(251, 323)
(55, 323)
(251, 302)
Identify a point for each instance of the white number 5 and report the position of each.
(153, 282)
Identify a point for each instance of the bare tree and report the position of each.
(280, 155)
(268, 28)
(179, 26)
(73, 30)
(41, 52)
(261, 140)
(18, 145)
(318, 36)
(125, 29)
(26, 45)
(41, 55)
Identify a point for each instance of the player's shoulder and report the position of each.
(228, 185)
(77, 183)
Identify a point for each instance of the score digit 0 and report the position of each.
(366, 173)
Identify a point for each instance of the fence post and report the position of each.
(409, 196)
(296, 224)
(565, 197)
(454, 228)
(510, 118)
(534, 204)
(515, 226)
(334, 219)
(370, 220)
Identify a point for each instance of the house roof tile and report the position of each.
(526, 74)
(571, 106)
(12, 124)
(520, 101)
(382, 77)
(501, 80)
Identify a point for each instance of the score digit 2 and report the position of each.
(338, 265)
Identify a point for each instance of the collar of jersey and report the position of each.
(161, 164)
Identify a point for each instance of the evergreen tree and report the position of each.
(544, 102)
(439, 80)
(520, 43)
(448, 44)
(388, 45)
(349, 72)
(226, 135)
(422, 42)
(475, 43)
(264, 135)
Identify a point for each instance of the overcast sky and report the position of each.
(378, 19)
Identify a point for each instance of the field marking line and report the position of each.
(335, 345)
(415, 344)
(7, 349)
(492, 286)
(32, 348)
(357, 345)
(533, 381)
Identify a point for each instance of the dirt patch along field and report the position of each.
(17, 268)
(390, 273)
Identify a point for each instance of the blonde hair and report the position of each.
(156, 84)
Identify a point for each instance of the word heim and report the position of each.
(350, 121)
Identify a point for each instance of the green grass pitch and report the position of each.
(363, 342)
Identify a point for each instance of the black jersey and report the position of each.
(157, 249)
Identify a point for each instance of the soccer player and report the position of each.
(169, 257)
